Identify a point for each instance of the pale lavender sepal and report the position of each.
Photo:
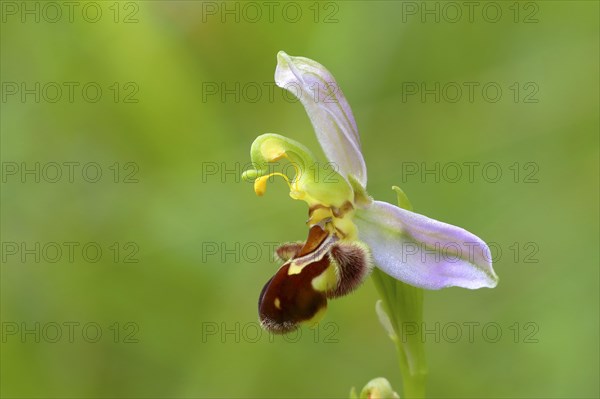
(424, 252)
(327, 109)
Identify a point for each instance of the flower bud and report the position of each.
(378, 388)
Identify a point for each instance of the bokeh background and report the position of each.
(175, 297)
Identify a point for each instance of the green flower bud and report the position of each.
(378, 388)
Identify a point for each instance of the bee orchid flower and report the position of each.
(349, 232)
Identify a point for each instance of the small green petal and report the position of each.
(403, 201)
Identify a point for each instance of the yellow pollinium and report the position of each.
(260, 184)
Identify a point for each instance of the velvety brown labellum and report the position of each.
(321, 268)
(290, 299)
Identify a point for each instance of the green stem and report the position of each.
(413, 385)
(403, 304)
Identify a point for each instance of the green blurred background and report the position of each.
(201, 239)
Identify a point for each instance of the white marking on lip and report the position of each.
(314, 256)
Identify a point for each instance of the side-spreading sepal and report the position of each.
(422, 251)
